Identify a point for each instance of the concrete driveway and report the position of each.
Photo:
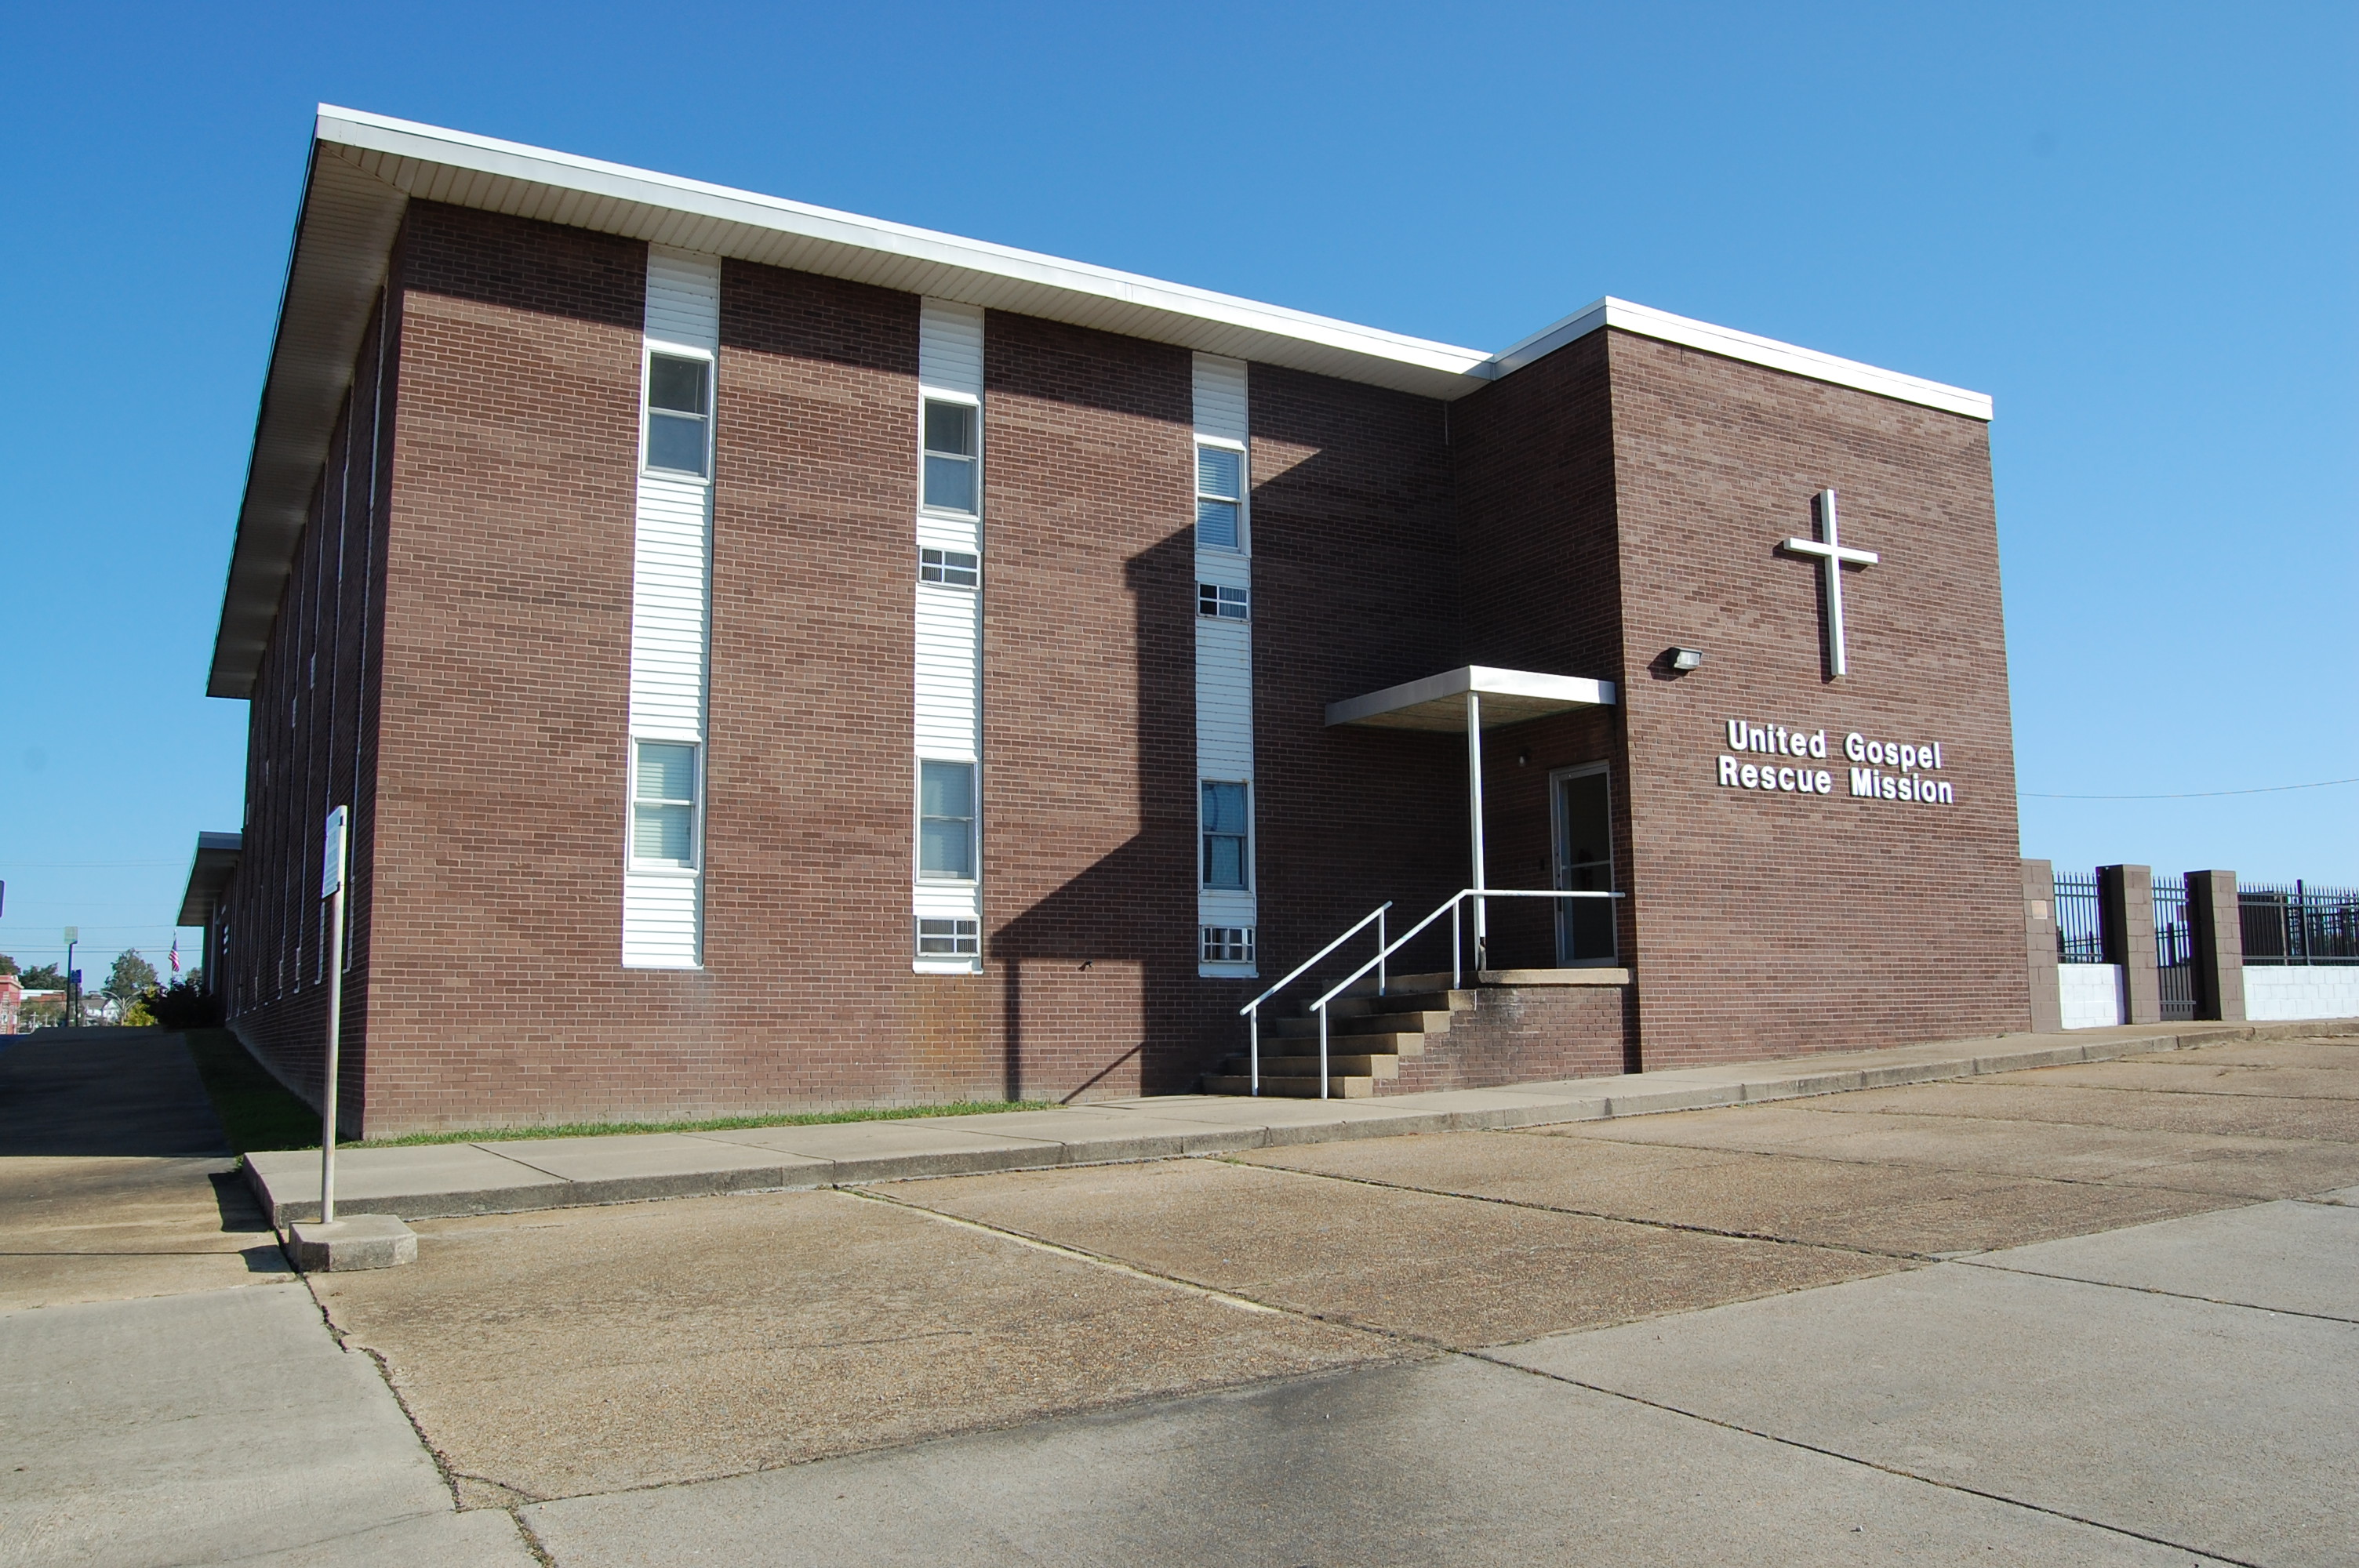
(168, 1391)
(2090, 1315)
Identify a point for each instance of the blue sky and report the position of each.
(2133, 225)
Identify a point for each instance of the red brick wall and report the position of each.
(1772, 923)
(311, 735)
(506, 632)
(1089, 710)
(1537, 520)
(1355, 587)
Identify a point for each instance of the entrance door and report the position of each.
(1580, 803)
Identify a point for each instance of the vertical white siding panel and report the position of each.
(947, 624)
(950, 347)
(947, 672)
(683, 298)
(1224, 748)
(671, 609)
(1219, 397)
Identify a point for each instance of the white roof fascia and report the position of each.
(1730, 343)
(442, 165)
(1571, 691)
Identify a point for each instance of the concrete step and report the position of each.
(1403, 999)
(1292, 1089)
(1401, 1022)
(1338, 1065)
(1383, 1044)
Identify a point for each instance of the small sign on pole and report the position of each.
(333, 864)
(331, 855)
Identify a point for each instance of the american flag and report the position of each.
(176, 954)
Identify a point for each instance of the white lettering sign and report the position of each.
(1880, 768)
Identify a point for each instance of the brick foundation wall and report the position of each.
(1528, 1034)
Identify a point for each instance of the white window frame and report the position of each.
(1244, 546)
(966, 400)
(648, 352)
(1224, 966)
(919, 875)
(1219, 592)
(974, 556)
(1252, 850)
(695, 813)
(968, 959)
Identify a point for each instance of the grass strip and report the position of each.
(714, 1124)
(256, 1109)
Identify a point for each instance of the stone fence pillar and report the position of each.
(2218, 933)
(2125, 911)
(2040, 946)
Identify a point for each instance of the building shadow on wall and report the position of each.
(1063, 960)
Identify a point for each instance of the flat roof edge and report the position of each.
(1729, 343)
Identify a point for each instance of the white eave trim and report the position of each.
(480, 171)
(1730, 343)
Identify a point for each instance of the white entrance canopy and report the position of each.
(1467, 701)
(1439, 702)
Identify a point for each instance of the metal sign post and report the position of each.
(332, 857)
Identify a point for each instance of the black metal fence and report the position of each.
(2174, 949)
(2296, 925)
(2079, 933)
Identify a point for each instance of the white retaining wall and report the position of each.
(2276, 991)
(2092, 995)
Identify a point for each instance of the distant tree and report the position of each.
(43, 978)
(131, 975)
(8, 965)
(184, 1004)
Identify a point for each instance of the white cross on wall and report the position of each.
(1833, 558)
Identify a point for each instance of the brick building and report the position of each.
(776, 659)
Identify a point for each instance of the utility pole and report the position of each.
(73, 980)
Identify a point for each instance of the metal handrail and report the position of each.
(1457, 968)
(1251, 1011)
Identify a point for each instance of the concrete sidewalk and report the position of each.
(433, 1181)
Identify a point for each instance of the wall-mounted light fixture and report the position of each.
(1684, 659)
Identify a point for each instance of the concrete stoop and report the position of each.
(353, 1242)
(431, 1181)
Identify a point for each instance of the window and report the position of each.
(679, 411)
(951, 569)
(1224, 836)
(1220, 497)
(1228, 944)
(663, 807)
(950, 455)
(949, 939)
(946, 821)
(1221, 603)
